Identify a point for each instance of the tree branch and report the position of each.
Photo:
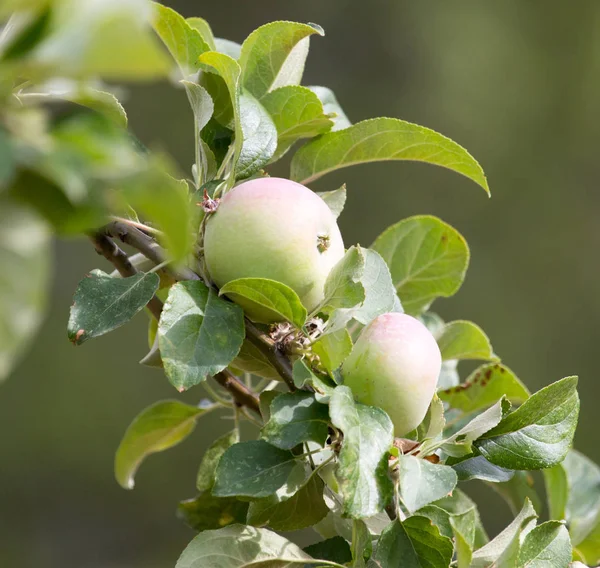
(115, 255)
(269, 348)
(147, 246)
(240, 392)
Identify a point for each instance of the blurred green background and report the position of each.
(516, 83)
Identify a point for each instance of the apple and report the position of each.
(395, 364)
(273, 228)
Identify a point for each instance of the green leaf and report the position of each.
(546, 546)
(301, 510)
(362, 546)
(335, 199)
(199, 334)
(448, 375)
(238, 545)
(479, 468)
(252, 469)
(414, 543)
(7, 159)
(206, 512)
(205, 479)
(335, 549)
(25, 257)
(557, 490)
(517, 490)
(273, 56)
(252, 360)
(343, 287)
(539, 433)
(465, 340)
(332, 349)
(427, 259)
(228, 47)
(111, 40)
(102, 102)
(331, 107)
(463, 528)
(259, 134)
(256, 294)
(380, 295)
(523, 523)
(165, 201)
(295, 418)
(297, 113)
(184, 42)
(363, 460)
(434, 422)
(203, 27)
(158, 427)
(102, 303)
(484, 387)
(303, 376)
(422, 482)
(381, 139)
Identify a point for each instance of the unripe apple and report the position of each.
(395, 365)
(273, 228)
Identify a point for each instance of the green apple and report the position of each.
(395, 365)
(273, 228)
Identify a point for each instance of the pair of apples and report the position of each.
(278, 229)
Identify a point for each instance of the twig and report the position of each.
(242, 394)
(147, 246)
(269, 348)
(111, 251)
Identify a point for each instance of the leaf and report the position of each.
(25, 257)
(259, 137)
(295, 418)
(380, 295)
(239, 545)
(252, 360)
(335, 549)
(427, 259)
(297, 113)
(539, 433)
(331, 107)
(546, 546)
(205, 479)
(184, 42)
(111, 40)
(203, 27)
(7, 159)
(362, 466)
(102, 102)
(273, 56)
(199, 334)
(465, 340)
(523, 523)
(228, 47)
(158, 427)
(280, 301)
(463, 528)
(422, 482)
(343, 287)
(165, 201)
(434, 422)
(303, 375)
(362, 547)
(485, 386)
(517, 490)
(102, 303)
(414, 543)
(206, 512)
(335, 199)
(301, 510)
(557, 490)
(479, 468)
(448, 375)
(252, 469)
(332, 349)
(381, 139)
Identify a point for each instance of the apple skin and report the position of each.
(395, 364)
(273, 228)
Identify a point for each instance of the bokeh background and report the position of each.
(517, 83)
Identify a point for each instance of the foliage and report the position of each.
(69, 165)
